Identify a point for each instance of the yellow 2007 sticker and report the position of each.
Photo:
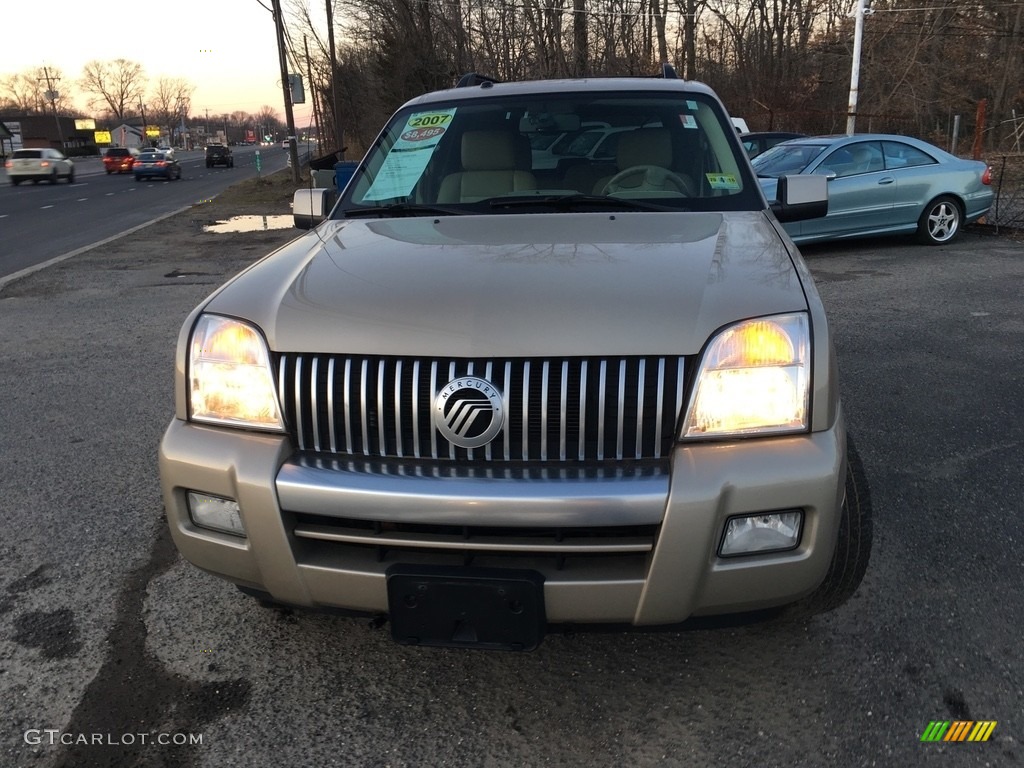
(423, 127)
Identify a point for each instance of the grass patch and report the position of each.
(271, 193)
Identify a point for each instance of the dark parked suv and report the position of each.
(219, 154)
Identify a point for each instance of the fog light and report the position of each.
(215, 513)
(771, 532)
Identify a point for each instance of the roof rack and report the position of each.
(668, 72)
(475, 78)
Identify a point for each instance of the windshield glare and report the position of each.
(675, 149)
(785, 159)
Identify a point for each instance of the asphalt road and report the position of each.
(111, 643)
(39, 222)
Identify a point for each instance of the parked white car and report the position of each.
(39, 165)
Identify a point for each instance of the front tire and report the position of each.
(71, 176)
(940, 222)
(853, 549)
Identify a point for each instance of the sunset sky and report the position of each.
(227, 49)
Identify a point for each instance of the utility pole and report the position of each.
(339, 134)
(52, 96)
(142, 111)
(293, 150)
(862, 9)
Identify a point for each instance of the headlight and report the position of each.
(754, 379)
(229, 375)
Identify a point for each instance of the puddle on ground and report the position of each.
(249, 224)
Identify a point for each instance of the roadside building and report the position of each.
(37, 131)
(128, 134)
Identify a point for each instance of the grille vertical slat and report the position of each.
(660, 407)
(364, 406)
(314, 402)
(544, 372)
(564, 411)
(621, 413)
(416, 409)
(331, 418)
(582, 445)
(451, 377)
(556, 410)
(506, 394)
(638, 449)
(602, 381)
(299, 390)
(349, 448)
(526, 411)
(399, 450)
(488, 372)
(381, 440)
(433, 388)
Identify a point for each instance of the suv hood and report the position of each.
(517, 285)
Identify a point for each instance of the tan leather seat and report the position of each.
(489, 169)
(649, 148)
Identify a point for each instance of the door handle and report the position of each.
(886, 180)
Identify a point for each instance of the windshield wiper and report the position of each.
(568, 202)
(403, 209)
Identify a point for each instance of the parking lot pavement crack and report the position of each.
(134, 703)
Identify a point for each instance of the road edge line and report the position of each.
(5, 281)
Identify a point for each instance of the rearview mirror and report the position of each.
(311, 206)
(800, 198)
(548, 122)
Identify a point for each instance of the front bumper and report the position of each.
(323, 533)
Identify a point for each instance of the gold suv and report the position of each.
(481, 397)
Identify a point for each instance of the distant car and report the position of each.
(119, 159)
(219, 154)
(759, 141)
(39, 165)
(881, 184)
(156, 163)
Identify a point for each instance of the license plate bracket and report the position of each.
(487, 608)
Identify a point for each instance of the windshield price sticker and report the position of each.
(722, 181)
(413, 149)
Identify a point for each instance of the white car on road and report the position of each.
(39, 165)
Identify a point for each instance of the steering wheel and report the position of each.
(652, 177)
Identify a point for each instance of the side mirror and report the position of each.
(311, 206)
(800, 198)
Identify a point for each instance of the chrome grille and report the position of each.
(573, 409)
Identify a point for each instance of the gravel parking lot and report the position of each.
(104, 631)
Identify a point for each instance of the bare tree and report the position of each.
(21, 93)
(119, 85)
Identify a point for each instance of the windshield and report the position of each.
(785, 159)
(675, 151)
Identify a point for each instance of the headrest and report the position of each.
(644, 146)
(488, 151)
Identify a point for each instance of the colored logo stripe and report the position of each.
(959, 730)
(982, 730)
(935, 731)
